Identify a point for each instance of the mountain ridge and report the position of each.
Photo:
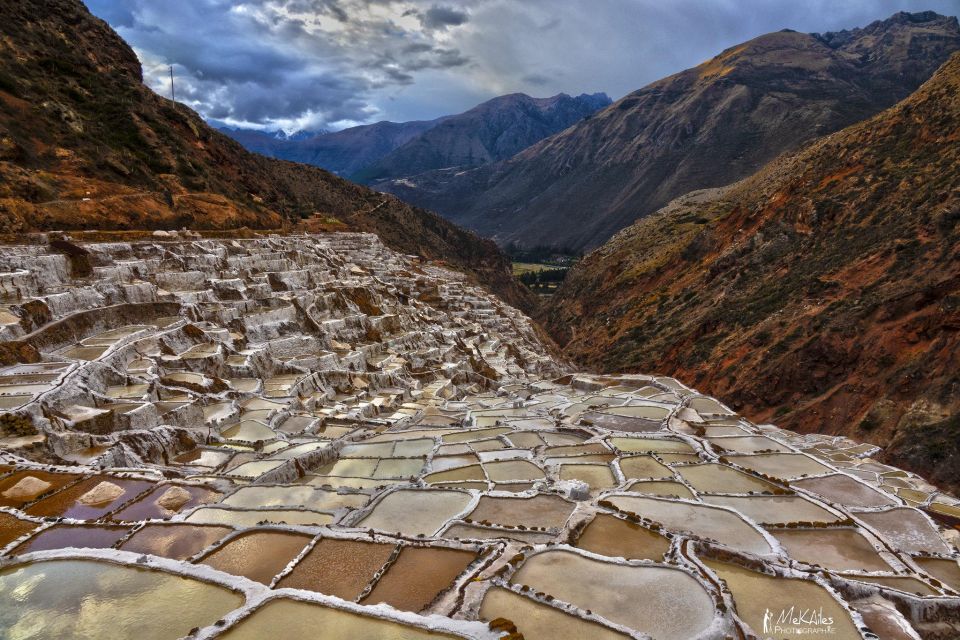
(703, 127)
(341, 152)
(493, 130)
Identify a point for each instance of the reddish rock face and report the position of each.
(821, 294)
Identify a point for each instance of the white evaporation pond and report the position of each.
(723, 526)
(413, 512)
(89, 599)
(760, 597)
(646, 598)
(775, 509)
(249, 518)
(907, 530)
(293, 496)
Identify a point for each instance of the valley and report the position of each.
(682, 365)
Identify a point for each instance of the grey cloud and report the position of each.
(294, 63)
(437, 17)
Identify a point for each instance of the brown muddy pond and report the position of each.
(946, 571)
(25, 486)
(285, 618)
(90, 499)
(538, 621)
(67, 535)
(418, 576)
(339, 568)
(258, 555)
(539, 511)
(615, 537)
(12, 527)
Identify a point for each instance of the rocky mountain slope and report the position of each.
(705, 127)
(492, 131)
(342, 152)
(822, 293)
(84, 144)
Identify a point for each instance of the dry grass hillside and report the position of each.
(823, 293)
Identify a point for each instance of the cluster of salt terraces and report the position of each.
(289, 436)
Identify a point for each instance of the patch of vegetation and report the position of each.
(869, 423)
(9, 84)
(16, 426)
(543, 254)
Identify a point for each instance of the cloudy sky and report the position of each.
(312, 64)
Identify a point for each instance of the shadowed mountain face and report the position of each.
(822, 293)
(494, 130)
(342, 152)
(85, 145)
(704, 127)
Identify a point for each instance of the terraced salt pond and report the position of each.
(87, 599)
(639, 597)
(539, 621)
(759, 597)
(416, 512)
(726, 527)
(289, 618)
(296, 436)
(616, 537)
(835, 548)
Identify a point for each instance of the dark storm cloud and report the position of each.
(437, 17)
(323, 63)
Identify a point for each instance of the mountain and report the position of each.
(491, 131)
(822, 293)
(343, 152)
(704, 127)
(266, 142)
(85, 145)
(296, 136)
